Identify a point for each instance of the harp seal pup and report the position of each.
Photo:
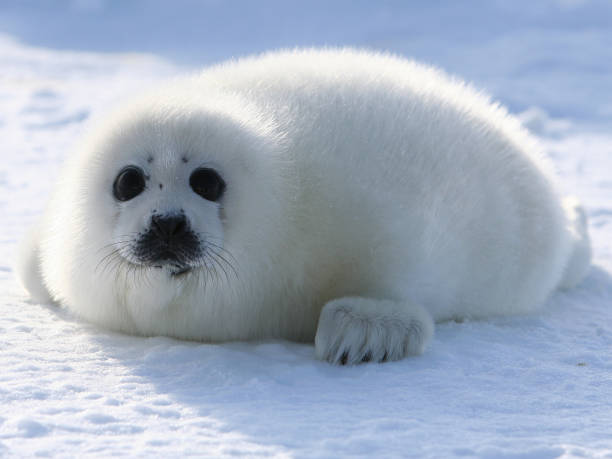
(346, 197)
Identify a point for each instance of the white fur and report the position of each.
(373, 185)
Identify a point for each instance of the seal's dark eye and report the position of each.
(129, 183)
(207, 183)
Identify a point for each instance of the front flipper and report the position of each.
(29, 269)
(352, 330)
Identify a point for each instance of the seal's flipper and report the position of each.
(580, 255)
(28, 267)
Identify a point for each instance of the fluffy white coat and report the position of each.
(367, 197)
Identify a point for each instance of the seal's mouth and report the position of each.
(176, 270)
(173, 269)
(181, 271)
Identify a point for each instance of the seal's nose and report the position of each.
(167, 227)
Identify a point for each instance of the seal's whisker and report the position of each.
(221, 260)
(221, 249)
(104, 262)
(216, 262)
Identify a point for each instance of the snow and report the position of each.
(537, 386)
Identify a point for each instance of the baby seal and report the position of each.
(348, 197)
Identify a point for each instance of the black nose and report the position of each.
(169, 226)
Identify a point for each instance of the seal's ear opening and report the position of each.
(207, 183)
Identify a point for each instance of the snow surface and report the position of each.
(537, 386)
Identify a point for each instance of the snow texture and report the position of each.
(537, 386)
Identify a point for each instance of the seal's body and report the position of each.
(364, 193)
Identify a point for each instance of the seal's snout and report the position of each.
(168, 227)
(169, 239)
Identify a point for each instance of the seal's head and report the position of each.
(169, 200)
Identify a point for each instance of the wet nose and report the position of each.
(169, 226)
